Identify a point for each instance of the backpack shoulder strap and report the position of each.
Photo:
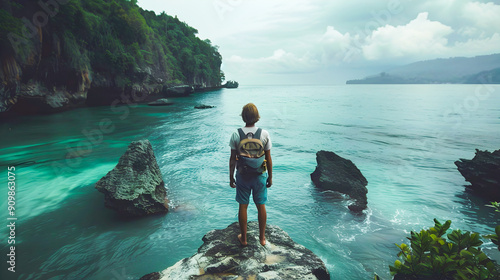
(258, 133)
(242, 134)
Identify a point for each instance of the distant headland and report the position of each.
(458, 70)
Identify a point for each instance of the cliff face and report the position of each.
(60, 54)
(41, 80)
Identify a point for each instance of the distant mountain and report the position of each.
(457, 70)
(485, 77)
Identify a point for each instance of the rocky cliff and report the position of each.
(222, 257)
(56, 55)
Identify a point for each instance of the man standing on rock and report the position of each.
(250, 145)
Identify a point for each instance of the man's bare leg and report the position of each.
(242, 219)
(261, 208)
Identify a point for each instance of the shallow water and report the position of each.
(404, 139)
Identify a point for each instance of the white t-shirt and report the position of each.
(264, 137)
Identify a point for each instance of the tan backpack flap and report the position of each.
(251, 148)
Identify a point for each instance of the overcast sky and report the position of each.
(330, 41)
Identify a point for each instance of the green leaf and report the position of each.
(490, 266)
(481, 257)
(466, 254)
(447, 225)
(408, 258)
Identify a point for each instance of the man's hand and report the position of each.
(231, 183)
(269, 182)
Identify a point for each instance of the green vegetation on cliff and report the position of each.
(110, 43)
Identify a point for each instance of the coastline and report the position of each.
(113, 96)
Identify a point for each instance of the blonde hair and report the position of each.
(250, 114)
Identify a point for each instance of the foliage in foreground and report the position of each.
(495, 237)
(431, 255)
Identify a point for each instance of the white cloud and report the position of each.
(335, 46)
(484, 46)
(263, 39)
(421, 37)
(484, 16)
(321, 50)
(280, 62)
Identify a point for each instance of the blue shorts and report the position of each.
(255, 184)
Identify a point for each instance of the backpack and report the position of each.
(251, 153)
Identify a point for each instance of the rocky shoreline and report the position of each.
(35, 98)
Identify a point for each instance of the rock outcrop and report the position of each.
(222, 257)
(483, 172)
(161, 102)
(182, 90)
(341, 175)
(203, 106)
(231, 84)
(135, 186)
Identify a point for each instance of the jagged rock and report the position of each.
(182, 90)
(151, 276)
(161, 102)
(222, 257)
(341, 175)
(231, 84)
(203, 106)
(135, 186)
(483, 172)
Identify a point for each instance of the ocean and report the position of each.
(403, 138)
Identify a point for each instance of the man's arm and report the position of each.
(232, 167)
(269, 165)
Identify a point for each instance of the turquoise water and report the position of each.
(404, 139)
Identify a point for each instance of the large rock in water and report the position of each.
(483, 172)
(341, 175)
(135, 186)
(222, 257)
